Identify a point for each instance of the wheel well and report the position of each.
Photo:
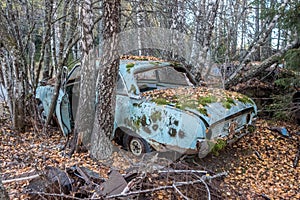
(121, 131)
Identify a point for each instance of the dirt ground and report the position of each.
(261, 165)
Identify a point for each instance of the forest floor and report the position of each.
(260, 165)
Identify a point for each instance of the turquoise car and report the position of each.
(158, 107)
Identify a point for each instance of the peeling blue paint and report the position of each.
(191, 126)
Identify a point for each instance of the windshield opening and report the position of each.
(160, 78)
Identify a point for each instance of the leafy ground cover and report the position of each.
(261, 165)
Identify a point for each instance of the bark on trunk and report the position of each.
(101, 147)
(86, 106)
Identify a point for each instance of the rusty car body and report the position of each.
(159, 107)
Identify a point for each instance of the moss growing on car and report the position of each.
(129, 66)
(203, 111)
(134, 124)
(154, 63)
(137, 123)
(175, 64)
(160, 101)
(245, 100)
(133, 89)
(207, 100)
(220, 144)
(142, 58)
(192, 104)
(228, 102)
(156, 116)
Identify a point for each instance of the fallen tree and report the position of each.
(241, 76)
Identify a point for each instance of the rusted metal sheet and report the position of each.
(156, 101)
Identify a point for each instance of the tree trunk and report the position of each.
(254, 47)
(264, 65)
(101, 147)
(86, 106)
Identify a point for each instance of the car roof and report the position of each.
(129, 67)
(136, 66)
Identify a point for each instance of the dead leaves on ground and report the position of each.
(29, 152)
(264, 165)
(259, 166)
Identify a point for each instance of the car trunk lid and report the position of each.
(210, 104)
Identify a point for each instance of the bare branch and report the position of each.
(182, 171)
(180, 193)
(20, 179)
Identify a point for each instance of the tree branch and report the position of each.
(20, 179)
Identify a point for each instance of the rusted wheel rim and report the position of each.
(136, 146)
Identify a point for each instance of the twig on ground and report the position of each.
(177, 184)
(20, 179)
(182, 171)
(84, 176)
(42, 194)
(180, 193)
(296, 160)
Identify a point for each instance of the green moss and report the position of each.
(191, 104)
(221, 144)
(203, 111)
(251, 129)
(154, 63)
(142, 58)
(156, 116)
(137, 123)
(175, 64)
(244, 100)
(207, 100)
(129, 66)
(228, 102)
(160, 101)
(133, 89)
(134, 124)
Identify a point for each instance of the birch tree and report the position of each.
(15, 57)
(69, 36)
(101, 146)
(86, 106)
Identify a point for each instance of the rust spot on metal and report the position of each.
(156, 116)
(144, 120)
(181, 134)
(172, 132)
(155, 127)
(176, 122)
(147, 130)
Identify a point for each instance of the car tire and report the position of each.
(136, 145)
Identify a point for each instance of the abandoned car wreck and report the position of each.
(158, 107)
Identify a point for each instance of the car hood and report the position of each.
(209, 103)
